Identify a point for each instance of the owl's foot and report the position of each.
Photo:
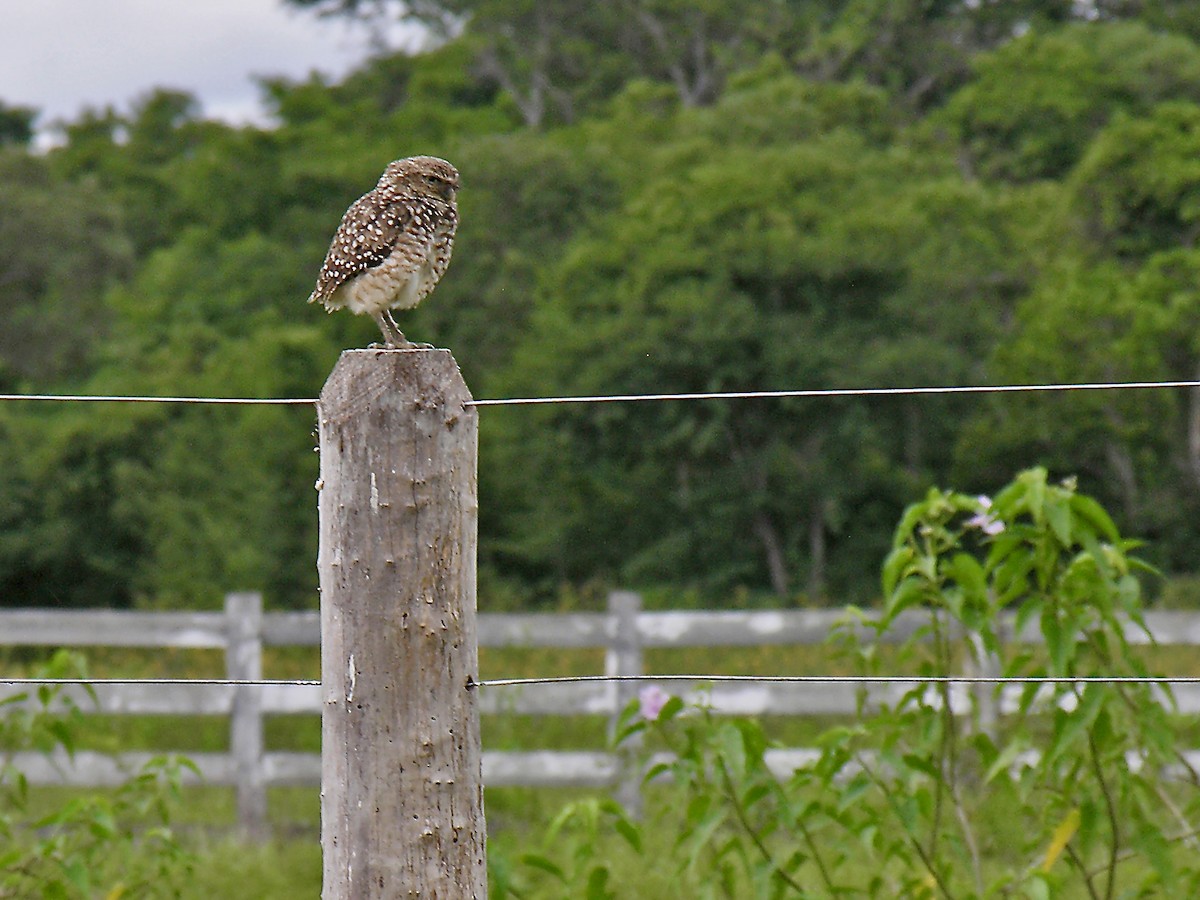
(394, 336)
(407, 345)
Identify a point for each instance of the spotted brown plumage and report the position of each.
(393, 244)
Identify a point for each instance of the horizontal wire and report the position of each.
(631, 398)
(237, 682)
(843, 392)
(847, 679)
(716, 679)
(112, 398)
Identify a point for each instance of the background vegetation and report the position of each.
(660, 196)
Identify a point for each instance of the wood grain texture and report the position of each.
(402, 795)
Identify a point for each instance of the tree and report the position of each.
(1134, 191)
(16, 125)
(63, 245)
(1035, 104)
(732, 267)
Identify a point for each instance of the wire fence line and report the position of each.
(847, 679)
(810, 393)
(653, 678)
(120, 398)
(222, 682)
(246, 697)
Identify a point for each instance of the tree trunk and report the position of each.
(816, 551)
(767, 533)
(1121, 464)
(1193, 432)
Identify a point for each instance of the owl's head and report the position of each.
(422, 176)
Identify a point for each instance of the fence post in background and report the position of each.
(624, 657)
(981, 663)
(243, 662)
(401, 772)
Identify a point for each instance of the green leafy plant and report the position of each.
(1068, 780)
(570, 860)
(112, 845)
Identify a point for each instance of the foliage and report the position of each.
(658, 196)
(1067, 782)
(103, 845)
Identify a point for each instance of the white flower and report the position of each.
(984, 520)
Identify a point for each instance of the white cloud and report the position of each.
(64, 55)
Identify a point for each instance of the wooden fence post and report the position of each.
(624, 657)
(243, 662)
(401, 774)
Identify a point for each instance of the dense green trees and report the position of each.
(658, 196)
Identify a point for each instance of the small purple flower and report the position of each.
(984, 520)
(651, 700)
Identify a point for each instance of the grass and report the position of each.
(289, 866)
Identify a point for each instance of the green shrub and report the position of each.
(1077, 789)
(104, 845)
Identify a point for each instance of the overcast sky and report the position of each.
(63, 55)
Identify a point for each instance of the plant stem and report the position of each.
(926, 859)
(1126, 855)
(1113, 821)
(968, 833)
(826, 879)
(1087, 876)
(755, 839)
(946, 749)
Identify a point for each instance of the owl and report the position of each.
(393, 244)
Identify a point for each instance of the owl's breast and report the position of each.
(393, 284)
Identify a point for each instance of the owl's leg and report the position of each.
(391, 331)
(394, 337)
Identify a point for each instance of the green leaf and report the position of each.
(895, 566)
(909, 519)
(852, 790)
(1037, 888)
(922, 764)
(537, 861)
(1034, 483)
(1095, 515)
(630, 832)
(597, 884)
(732, 747)
(655, 770)
(671, 709)
(909, 592)
(1060, 641)
(755, 793)
(102, 824)
(700, 833)
(63, 733)
(626, 731)
(1058, 515)
(1005, 759)
(1070, 726)
(77, 873)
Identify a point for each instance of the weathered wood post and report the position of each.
(624, 657)
(401, 781)
(243, 662)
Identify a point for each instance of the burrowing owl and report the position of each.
(393, 244)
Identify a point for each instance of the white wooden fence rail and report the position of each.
(243, 629)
